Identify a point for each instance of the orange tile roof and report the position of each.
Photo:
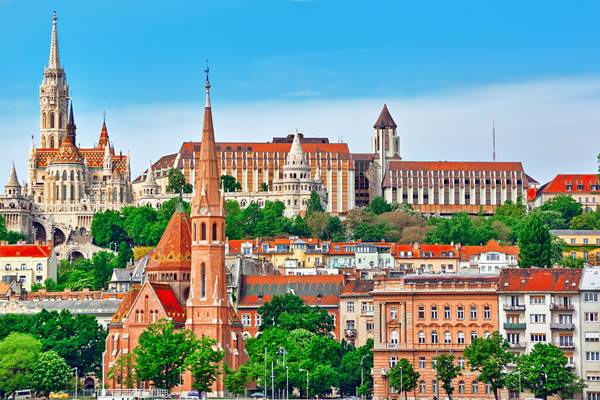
(126, 304)
(560, 182)
(357, 287)
(323, 290)
(397, 165)
(436, 251)
(188, 148)
(94, 157)
(174, 250)
(235, 246)
(539, 280)
(467, 251)
(26, 250)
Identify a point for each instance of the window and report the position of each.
(421, 337)
(460, 312)
(214, 232)
(460, 338)
(393, 361)
(461, 387)
(434, 312)
(473, 312)
(487, 313)
(537, 318)
(434, 386)
(565, 319)
(422, 362)
(591, 317)
(422, 387)
(538, 337)
(461, 362)
(473, 336)
(258, 319)
(566, 341)
(421, 312)
(488, 388)
(350, 306)
(446, 312)
(537, 300)
(590, 297)
(592, 355)
(203, 231)
(447, 337)
(474, 387)
(246, 320)
(592, 336)
(513, 338)
(370, 326)
(593, 396)
(394, 313)
(393, 338)
(434, 337)
(39, 267)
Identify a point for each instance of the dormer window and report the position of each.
(569, 188)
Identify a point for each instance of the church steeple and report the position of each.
(103, 141)
(71, 127)
(54, 95)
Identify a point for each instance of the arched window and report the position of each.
(72, 175)
(421, 337)
(473, 335)
(44, 121)
(44, 141)
(51, 120)
(61, 122)
(461, 387)
(203, 232)
(447, 337)
(194, 232)
(203, 279)
(422, 387)
(51, 142)
(214, 232)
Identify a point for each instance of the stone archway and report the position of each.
(39, 232)
(58, 236)
(89, 383)
(75, 255)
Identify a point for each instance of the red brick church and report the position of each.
(186, 274)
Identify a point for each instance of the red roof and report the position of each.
(580, 183)
(492, 246)
(435, 250)
(235, 246)
(169, 301)
(322, 290)
(539, 280)
(396, 165)
(26, 250)
(358, 287)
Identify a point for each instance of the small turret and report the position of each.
(12, 187)
(107, 161)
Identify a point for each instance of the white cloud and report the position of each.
(552, 125)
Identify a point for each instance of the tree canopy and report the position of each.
(446, 371)
(176, 182)
(403, 377)
(230, 184)
(537, 247)
(290, 312)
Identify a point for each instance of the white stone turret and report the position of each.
(107, 161)
(54, 93)
(12, 187)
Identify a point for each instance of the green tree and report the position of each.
(446, 371)
(161, 352)
(123, 371)
(379, 206)
(368, 232)
(403, 377)
(290, 312)
(537, 247)
(352, 361)
(317, 222)
(264, 187)
(107, 228)
(50, 373)
(565, 205)
(230, 184)
(236, 381)
(571, 262)
(314, 203)
(552, 219)
(176, 182)
(204, 364)
(544, 371)
(489, 357)
(587, 220)
(124, 256)
(18, 353)
(103, 264)
(335, 229)
(233, 223)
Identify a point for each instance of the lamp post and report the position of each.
(76, 379)
(401, 381)
(265, 388)
(283, 352)
(362, 372)
(305, 370)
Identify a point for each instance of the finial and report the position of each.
(207, 85)
(104, 117)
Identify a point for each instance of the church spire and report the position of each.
(71, 127)
(103, 141)
(54, 58)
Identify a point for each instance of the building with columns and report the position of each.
(186, 275)
(67, 183)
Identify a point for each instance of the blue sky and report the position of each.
(446, 68)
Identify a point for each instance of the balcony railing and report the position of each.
(514, 307)
(350, 333)
(566, 346)
(562, 326)
(561, 307)
(516, 345)
(515, 325)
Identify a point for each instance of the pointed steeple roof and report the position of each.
(174, 251)
(207, 185)
(296, 154)
(13, 181)
(385, 119)
(71, 127)
(54, 58)
(150, 181)
(103, 141)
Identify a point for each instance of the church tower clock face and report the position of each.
(203, 211)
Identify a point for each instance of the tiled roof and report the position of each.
(341, 248)
(235, 246)
(492, 246)
(126, 304)
(448, 278)
(539, 280)
(435, 250)
(188, 148)
(169, 301)
(94, 157)
(560, 182)
(26, 250)
(364, 156)
(174, 250)
(385, 119)
(397, 165)
(576, 232)
(323, 290)
(357, 287)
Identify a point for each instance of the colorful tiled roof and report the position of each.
(539, 280)
(26, 250)
(580, 183)
(94, 157)
(126, 304)
(169, 302)
(322, 290)
(174, 250)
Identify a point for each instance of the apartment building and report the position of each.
(356, 312)
(27, 264)
(419, 317)
(590, 332)
(296, 256)
(584, 244)
(583, 188)
(541, 306)
(427, 258)
(490, 258)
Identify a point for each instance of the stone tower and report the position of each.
(385, 143)
(15, 207)
(54, 93)
(208, 309)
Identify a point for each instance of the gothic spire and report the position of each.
(13, 181)
(71, 127)
(103, 141)
(54, 58)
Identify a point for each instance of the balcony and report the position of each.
(566, 346)
(514, 307)
(515, 325)
(562, 326)
(350, 333)
(391, 346)
(516, 345)
(561, 307)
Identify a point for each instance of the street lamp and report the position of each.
(401, 381)
(76, 379)
(305, 370)
(283, 351)
(362, 372)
